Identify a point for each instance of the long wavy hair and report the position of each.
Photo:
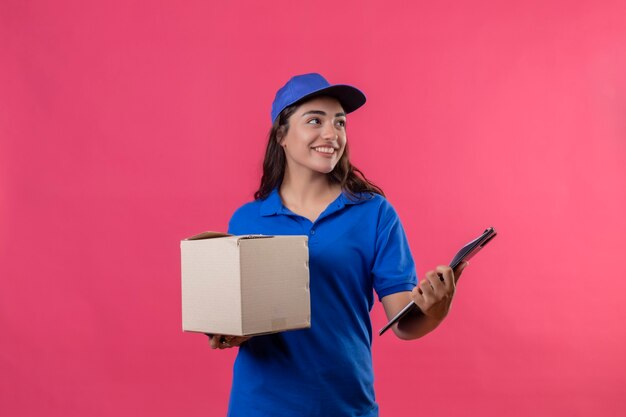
(351, 179)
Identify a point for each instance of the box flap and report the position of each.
(212, 235)
(249, 237)
(208, 235)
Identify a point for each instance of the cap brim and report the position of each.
(351, 98)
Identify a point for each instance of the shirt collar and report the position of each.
(274, 205)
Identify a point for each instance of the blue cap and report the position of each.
(307, 86)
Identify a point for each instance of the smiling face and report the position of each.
(316, 138)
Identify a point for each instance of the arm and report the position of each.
(433, 295)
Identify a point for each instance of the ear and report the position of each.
(280, 136)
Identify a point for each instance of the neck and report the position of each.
(303, 190)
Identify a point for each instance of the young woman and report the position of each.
(356, 246)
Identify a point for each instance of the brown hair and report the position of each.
(347, 175)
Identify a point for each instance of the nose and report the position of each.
(329, 132)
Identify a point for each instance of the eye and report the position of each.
(314, 121)
(341, 123)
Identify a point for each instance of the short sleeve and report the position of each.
(393, 269)
(235, 224)
(242, 222)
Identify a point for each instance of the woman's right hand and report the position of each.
(219, 341)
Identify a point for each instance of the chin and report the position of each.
(325, 169)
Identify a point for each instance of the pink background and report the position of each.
(126, 126)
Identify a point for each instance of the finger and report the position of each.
(215, 341)
(225, 342)
(437, 288)
(436, 281)
(418, 297)
(416, 292)
(426, 298)
(427, 289)
(238, 340)
(235, 341)
(430, 277)
(447, 276)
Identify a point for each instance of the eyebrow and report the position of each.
(322, 113)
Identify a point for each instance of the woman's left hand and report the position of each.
(218, 341)
(434, 293)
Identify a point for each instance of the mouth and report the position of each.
(326, 150)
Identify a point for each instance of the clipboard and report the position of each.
(465, 254)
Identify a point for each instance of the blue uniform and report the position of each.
(355, 247)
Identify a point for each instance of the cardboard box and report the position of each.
(245, 285)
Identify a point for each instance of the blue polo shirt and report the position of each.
(356, 247)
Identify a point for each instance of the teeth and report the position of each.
(324, 149)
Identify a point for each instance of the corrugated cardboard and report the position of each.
(245, 285)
